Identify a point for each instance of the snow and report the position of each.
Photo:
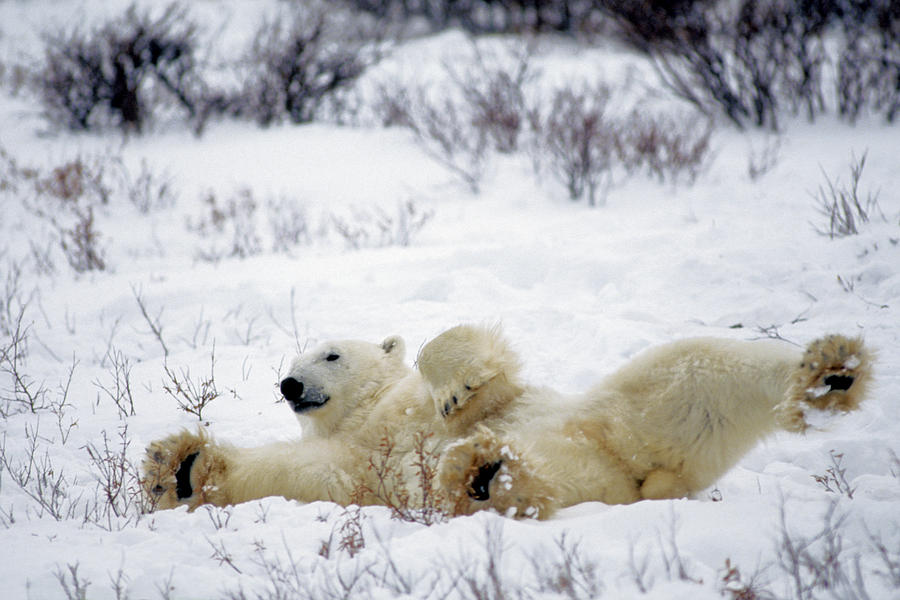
(578, 290)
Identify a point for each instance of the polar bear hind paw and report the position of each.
(177, 471)
(483, 472)
(479, 486)
(832, 376)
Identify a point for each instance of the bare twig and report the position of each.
(155, 324)
(221, 554)
(835, 478)
(843, 206)
(119, 391)
(192, 396)
(219, 516)
(73, 587)
(639, 569)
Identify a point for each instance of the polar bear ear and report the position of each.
(394, 345)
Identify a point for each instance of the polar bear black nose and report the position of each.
(291, 389)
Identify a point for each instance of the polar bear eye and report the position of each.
(332, 357)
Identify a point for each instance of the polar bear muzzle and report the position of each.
(302, 397)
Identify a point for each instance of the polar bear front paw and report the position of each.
(471, 373)
(454, 398)
(179, 470)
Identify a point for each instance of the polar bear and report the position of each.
(665, 425)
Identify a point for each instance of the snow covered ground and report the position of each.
(578, 290)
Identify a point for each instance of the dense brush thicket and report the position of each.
(756, 60)
(139, 67)
(752, 61)
(485, 16)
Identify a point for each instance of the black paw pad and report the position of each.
(839, 382)
(183, 477)
(479, 489)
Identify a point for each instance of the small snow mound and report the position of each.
(821, 420)
(852, 362)
(818, 391)
(506, 452)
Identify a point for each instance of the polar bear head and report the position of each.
(327, 384)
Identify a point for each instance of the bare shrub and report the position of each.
(149, 190)
(457, 125)
(13, 300)
(72, 198)
(761, 160)
(579, 141)
(835, 478)
(289, 578)
(66, 198)
(675, 565)
(73, 587)
(667, 147)
(393, 104)
(120, 72)
(26, 394)
(121, 500)
(890, 560)
(301, 59)
(495, 97)
(81, 243)
(738, 587)
(480, 577)
(233, 219)
(166, 587)
(350, 532)
(445, 131)
(379, 228)
(119, 391)
(844, 206)
(80, 180)
(288, 224)
(567, 572)
(389, 483)
(47, 484)
(819, 562)
(192, 396)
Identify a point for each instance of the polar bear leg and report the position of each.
(660, 484)
(485, 472)
(191, 469)
(471, 373)
(832, 376)
(183, 469)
